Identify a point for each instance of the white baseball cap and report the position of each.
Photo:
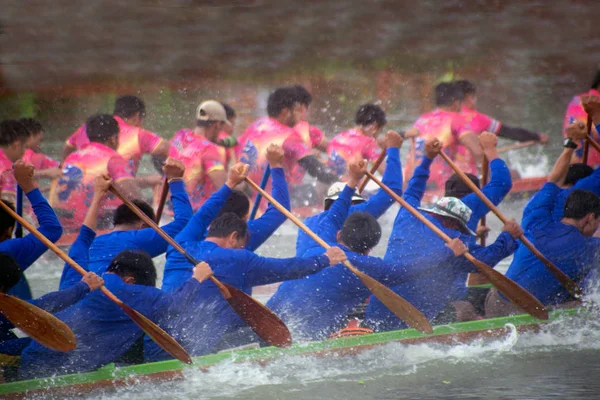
(334, 192)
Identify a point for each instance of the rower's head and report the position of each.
(370, 119)
(582, 210)
(228, 231)
(361, 233)
(455, 187)
(576, 172)
(10, 273)
(134, 267)
(304, 98)
(334, 192)
(14, 138)
(211, 117)
(448, 95)
(104, 129)
(36, 133)
(7, 222)
(469, 94)
(453, 214)
(284, 106)
(126, 220)
(131, 109)
(231, 117)
(596, 81)
(237, 203)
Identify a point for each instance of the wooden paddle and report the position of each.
(516, 146)
(163, 199)
(509, 288)
(485, 171)
(586, 145)
(402, 308)
(554, 270)
(263, 321)
(161, 338)
(40, 325)
(374, 169)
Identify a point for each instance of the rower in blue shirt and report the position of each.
(568, 243)
(377, 205)
(225, 200)
(131, 233)
(28, 249)
(414, 243)
(200, 328)
(318, 305)
(103, 331)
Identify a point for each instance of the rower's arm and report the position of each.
(333, 220)
(262, 270)
(470, 141)
(561, 167)
(262, 228)
(518, 134)
(80, 253)
(315, 168)
(57, 301)
(416, 186)
(504, 246)
(541, 206)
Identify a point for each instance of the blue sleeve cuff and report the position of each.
(347, 193)
(393, 151)
(177, 186)
(322, 260)
(82, 286)
(87, 235)
(35, 197)
(497, 163)
(551, 187)
(426, 162)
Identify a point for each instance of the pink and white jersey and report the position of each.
(200, 157)
(448, 127)
(575, 112)
(311, 135)
(40, 161)
(76, 187)
(253, 144)
(9, 183)
(134, 141)
(349, 144)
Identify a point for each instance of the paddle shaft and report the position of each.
(163, 199)
(19, 227)
(554, 270)
(586, 145)
(521, 145)
(594, 144)
(485, 171)
(263, 184)
(374, 169)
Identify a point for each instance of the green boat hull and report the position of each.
(110, 377)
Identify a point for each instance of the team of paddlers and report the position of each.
(208, 171)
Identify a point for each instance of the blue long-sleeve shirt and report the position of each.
(28, 249)
(259, 229)
(318, 305)
(103, 331)
(105, 247)
(377, 205)
(200, 328)
(414, 244)
(571, 251)
(591, 183)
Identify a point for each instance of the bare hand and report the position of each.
(202, 272)
(102, 184)
(576, 130)
(591, 105)
(237, 174)
(335, 255)
(53, 173)
(488, 140)
(24, 175)
(457, 247)
(393, 139)
(93, 281)
(433, 147)
(275, 155)
(356, 170)
(173, 168)
(544, 139)
(482, 232)
(513, 228)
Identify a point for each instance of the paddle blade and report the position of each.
(40, 325)
(512, 290)
(396, 304)
(160, 337)
(263, 321)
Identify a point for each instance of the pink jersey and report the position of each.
(448, 127)
(310, 134)
(76, 188)
(200, 157)
(346, 145)
(253, 144)
(575, 112)
(9, 183)
(227, 154)
(134, 141)
(40, 161)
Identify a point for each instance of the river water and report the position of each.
(62, 61)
